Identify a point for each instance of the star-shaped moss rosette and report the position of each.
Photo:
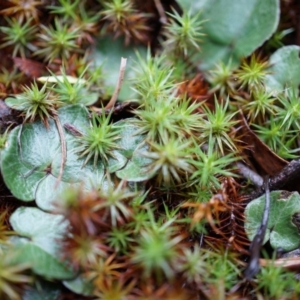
(31, 162)
(282, 229)
(37, 242)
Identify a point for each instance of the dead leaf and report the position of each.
(195, 89)
(30, 68)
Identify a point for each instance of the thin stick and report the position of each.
(286, 262)
(250, 174)
(63, 150)
(287, 174)
(253, 265)
(115, 95)
(163, 18)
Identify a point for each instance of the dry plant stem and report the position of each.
(288, 173)
(249, 174)
(163, 18)
(253, 265)
(63, 150)
(72, 130)
(114, 97)
(292, 263)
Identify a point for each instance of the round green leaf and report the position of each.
(281, 231)
(131, 144)
(80, 285)
(110, 58)
(43, 229)
(41, 247)
(136, 169)
(42, 290)
(284, 70)
(30, 149)
(42, 263)
(87, 97)
(192, 5)
(15, 103)
(234, 29)
(129, 140)
(48, 192)
(31, 161)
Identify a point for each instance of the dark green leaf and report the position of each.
(31, 161)
(284, 70)
(42, 290)
(110, 58)
(281, 231)
(136, 168)
(234, 29)
(40, 246)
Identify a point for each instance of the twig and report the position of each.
(250, 174)
(114, 97)
(163, 18)
(253, 265)
(63, 150)
(72, 130)
(286, 262)
(287, 174)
